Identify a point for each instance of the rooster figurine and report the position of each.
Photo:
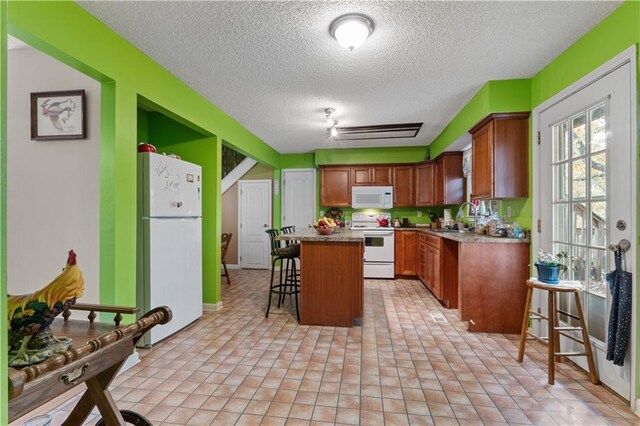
(30, 315)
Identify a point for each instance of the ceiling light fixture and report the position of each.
(328, 112)
(351, 30)
(334, 130)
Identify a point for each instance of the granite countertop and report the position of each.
(310, 234)
(464, 237)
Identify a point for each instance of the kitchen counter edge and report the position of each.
(341, 235)
(465, 237)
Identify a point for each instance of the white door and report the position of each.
(298, 197)
(587, 184)
(255, 219)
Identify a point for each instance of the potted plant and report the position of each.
(550, 267)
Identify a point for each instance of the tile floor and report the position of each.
(401, 367)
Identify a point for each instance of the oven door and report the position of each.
(378, 246)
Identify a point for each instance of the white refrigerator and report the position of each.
(169, 241)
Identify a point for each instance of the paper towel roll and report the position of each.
(447, 216)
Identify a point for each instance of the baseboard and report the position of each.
(637, 407)
(212, 307)
(232, 266)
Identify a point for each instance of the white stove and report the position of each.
(379, 244)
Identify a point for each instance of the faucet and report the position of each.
(475, 215)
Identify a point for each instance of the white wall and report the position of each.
(53, 196)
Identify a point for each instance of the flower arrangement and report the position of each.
(550, 266)
(547, 259)
(337, 215)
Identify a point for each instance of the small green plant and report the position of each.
(561, 259)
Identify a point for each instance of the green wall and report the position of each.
(409, 154)
(4, 397)
(127, 83)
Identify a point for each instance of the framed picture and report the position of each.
(58, 115)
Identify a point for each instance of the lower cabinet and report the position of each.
(406, 243)
(430, 264)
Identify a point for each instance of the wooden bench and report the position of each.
(99, 350)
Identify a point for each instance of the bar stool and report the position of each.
(291, 283)
(289, 243)
(554, 328)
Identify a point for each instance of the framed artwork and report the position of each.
(58, 115)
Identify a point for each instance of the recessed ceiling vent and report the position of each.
(383, 131)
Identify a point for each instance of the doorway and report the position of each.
(586, 198)
(254, 207)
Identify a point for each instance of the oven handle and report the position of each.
(378, 234)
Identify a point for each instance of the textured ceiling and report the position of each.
(274, 67)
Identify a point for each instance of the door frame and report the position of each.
(315, 190)
(626, 56)
(269, 222)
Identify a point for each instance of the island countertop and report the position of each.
(309, 234)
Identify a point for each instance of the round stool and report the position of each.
(554, 328)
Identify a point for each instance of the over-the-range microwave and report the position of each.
(372, 197)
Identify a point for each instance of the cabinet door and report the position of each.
(381, 176)
(482, 162)
(422, 261)
(436, 276)
(405, 249)
(361, 176)
(335, 186)
(425, 185)
(403, 191)
(439, 178)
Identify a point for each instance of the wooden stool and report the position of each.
(555, 330)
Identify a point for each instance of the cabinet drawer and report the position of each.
(422, 237)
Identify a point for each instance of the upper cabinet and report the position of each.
(425, 184)
(403, 192)
(335, 186)
(500, 164)
(371, 176)
(449, 181)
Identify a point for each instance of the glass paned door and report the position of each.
(579, 206)
(585, 186)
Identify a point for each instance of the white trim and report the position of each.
(212, 307)
(626, 56)
(233, 266)
(241, 169)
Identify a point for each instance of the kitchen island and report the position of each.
(331, 281)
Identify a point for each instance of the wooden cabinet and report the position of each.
(371, 176)
(424, 184)
(500, 164)
(430, 267)
(335, 186)
(405, 250)
(403, 192)
(381, 175)
(449, 181)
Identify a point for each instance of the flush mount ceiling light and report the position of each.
(351, 30)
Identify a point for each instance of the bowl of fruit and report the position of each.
(325, 226)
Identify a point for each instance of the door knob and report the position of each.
(265, 225)
(623, 246)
